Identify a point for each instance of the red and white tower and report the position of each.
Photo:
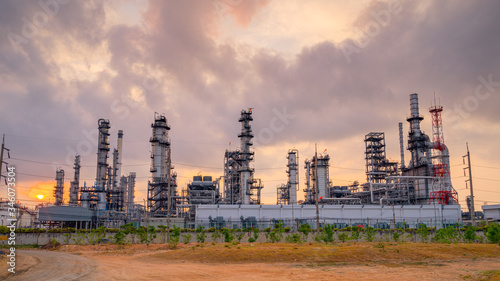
(440, 160)
(439, 167)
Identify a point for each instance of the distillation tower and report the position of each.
(59, 188)
(240, 187)
(246, 156)
(309, 195)
(102, 153)
(162, 179)
(287, 193)
(75, 184)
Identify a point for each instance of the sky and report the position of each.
(315, 72)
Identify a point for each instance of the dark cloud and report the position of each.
(175, 64)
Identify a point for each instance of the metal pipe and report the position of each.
(401, 146)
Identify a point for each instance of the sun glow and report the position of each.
(40, 196)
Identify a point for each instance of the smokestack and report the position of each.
(102, 153)
(75, 184)
(293, 175)
(415, 115)
(401, 146)
(131, 191)
(119, 147)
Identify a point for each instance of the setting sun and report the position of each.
(40, 196)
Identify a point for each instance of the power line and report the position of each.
(485, 179)
(488, 167)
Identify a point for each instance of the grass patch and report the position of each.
(410, 253)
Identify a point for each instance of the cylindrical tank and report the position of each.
(197, 178)
(101, 204)
(207, 178)
(85, 199)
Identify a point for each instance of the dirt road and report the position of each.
(270, 262)
(48, 265)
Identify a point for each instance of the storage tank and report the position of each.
(85, 199)
(101, 204)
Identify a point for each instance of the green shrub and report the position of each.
(129, 229)
(343, 237)
(493, 233)
(293, 238)
(423, 232)
(276, 235)
(255, 235)
(119, 238)
(355, 233)
(228, 235)
(186, 238)
(446, 235)
(173, 240)
(216, 236)
(201, 234)
(370, 234)
(163, 232)
(326, 234)
(305, 229)
(470, 234)
(396, 235)
(4, 229)
(239, 237)
(78, 239)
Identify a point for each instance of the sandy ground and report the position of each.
(156, 263)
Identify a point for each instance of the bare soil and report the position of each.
(264, 261)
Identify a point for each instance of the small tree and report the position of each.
(327, 234)
(275, 235)
(163, 232)
(255, 232)
(186, 238)
(370, 234)
(396, 235)
(119, 238)
(174, 237)
(228, 235)
(216, 236)
(493, 233)
(305, 229)
(423, 232)
(355, 233)
(343, 237)
(201, 234)
(129, 229)
(294, 238)
(470, 234)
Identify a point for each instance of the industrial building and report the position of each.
(394, 193)
(109, 202)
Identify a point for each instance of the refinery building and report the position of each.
(407, 193)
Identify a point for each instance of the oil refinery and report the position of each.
(412, 192)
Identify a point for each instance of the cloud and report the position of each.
(84, 65)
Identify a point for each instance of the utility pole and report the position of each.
(1, 155)
(316, 190)
(169, 195)
(472, 210)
